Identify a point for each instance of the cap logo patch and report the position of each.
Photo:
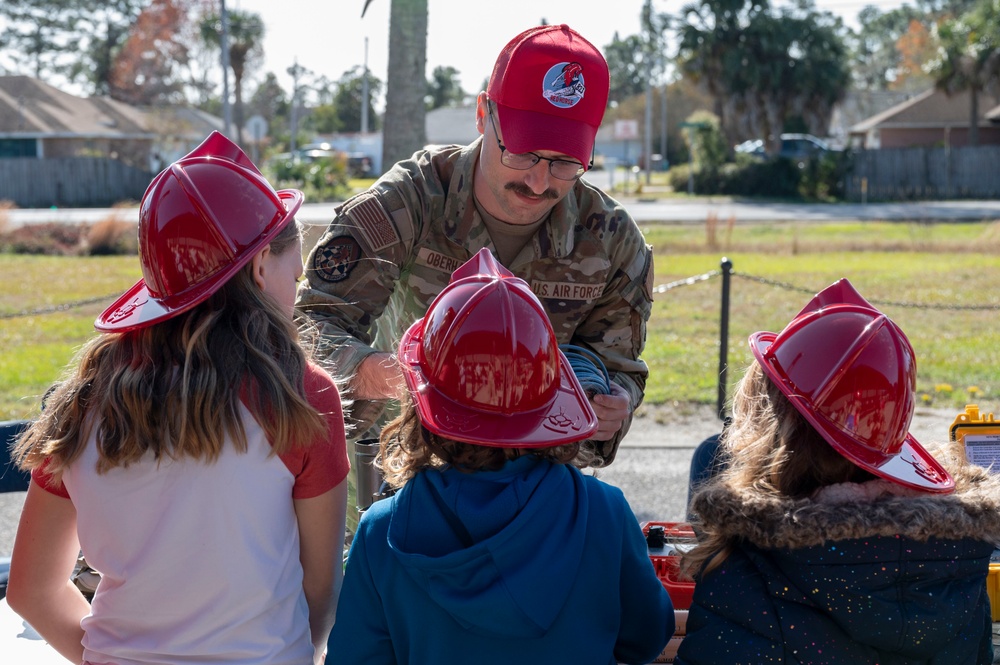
(563, 85)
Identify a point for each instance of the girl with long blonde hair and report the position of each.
(193, 451)
(831, 535)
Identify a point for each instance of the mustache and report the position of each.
(524, 190)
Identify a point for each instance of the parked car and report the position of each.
(802, 146)
(359, 165)
(797, 147)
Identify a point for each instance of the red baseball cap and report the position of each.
(550, 86)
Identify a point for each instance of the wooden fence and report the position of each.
(903, 174)
(70, 182)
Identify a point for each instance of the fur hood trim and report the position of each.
(770, 521)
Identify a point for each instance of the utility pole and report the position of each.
(663, 124)
(227, 113)
(648, 54)
(648, 129)
(364, 93)
(295, 71)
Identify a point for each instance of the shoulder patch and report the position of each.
(336, 259)
(373, 222)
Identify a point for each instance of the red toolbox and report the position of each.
(666, 541)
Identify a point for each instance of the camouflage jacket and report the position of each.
(390, 250)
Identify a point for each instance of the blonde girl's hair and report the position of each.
(174, 389)
(406, 447)
(770, 448)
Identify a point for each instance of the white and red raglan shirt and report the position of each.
(200, 562)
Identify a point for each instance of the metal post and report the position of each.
(227, 114)
(727, 271)
(364, 93)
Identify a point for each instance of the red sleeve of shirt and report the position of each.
(320, 467)
(43, 479)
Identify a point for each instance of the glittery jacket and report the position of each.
(892, 580)
(390, 250)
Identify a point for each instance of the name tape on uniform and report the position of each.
(437, 260)
(567, 290)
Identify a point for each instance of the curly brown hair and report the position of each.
(772, 448)
(406, 447)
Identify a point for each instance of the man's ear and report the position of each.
(481, 102)
(257, 267)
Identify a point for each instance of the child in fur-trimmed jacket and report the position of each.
(831, 535)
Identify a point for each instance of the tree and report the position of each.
(145, 71)
(969, 57)
(270, 101)
(766, 68)
(348, 98)
(404, 126)
(916, 48)
(76, 39)
(709, 50)
(443, 88)
(246, 50)
(874, 50)
(626, 67)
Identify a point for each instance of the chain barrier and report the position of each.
(874, 301)
(58, 308)
(663, 288)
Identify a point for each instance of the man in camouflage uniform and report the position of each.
(516, 190)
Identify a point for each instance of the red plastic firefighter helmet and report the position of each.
(201, 220)
(483, 365)
(851, 372)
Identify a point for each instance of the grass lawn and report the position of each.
(914, 272)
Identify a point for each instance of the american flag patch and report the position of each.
(372, 222)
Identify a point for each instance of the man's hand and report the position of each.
(378, 377)
(612, 411)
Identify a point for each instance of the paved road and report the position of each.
(644, 211)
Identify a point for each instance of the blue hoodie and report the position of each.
(534, 563)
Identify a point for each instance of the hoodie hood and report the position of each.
(461, 537)
(901, 572)
(769, 521)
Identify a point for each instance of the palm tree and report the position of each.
(403, 129)
(246, 39)
(970, 57)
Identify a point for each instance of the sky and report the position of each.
(327, 37)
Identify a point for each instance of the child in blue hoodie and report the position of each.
(495, 549)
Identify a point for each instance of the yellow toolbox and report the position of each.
(979, 435)
(993, 588)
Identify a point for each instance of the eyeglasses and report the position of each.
(563, 169)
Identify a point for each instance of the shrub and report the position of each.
(705, 141)
(5, 205)
(112, 236)
(51, 238)
(776, 178)
(704, 181)
(323, 179)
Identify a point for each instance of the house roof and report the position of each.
(30, 108)
(931, 108)
(184, 121)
